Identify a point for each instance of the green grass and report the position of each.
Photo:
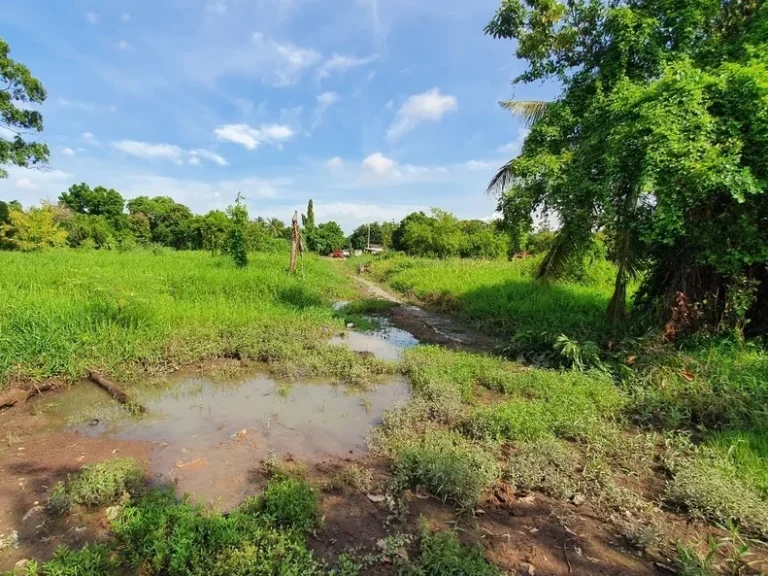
(442, 554)
(97, 485)
(64, 312)
(501, 297)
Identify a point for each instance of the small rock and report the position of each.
(350, 325)
(528, 499)
(21, 448)
(113, 512)
(376, 497)
(578, 499)
(242, 434)
(529, 569)
(21, 563)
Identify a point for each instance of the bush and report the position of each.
(91, 560)
(449, 465)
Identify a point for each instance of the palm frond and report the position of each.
(529, 110)
(566, 246)
(501, 181)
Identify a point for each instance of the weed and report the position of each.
(442, 553)
(549, 466)
(449, 465)
(59, 501)
(291, 503)
(161, 535)
(359, 479)
(641, 535)
(91, 560)
(708, 487)
(690, 563)
(104, 483)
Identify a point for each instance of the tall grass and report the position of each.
(502, 297)
(65, 312)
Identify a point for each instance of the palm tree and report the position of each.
(531, 111)
(571, 237)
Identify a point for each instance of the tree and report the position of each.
(215, 229)
(97, 202)
(308, 221)
(19, 87)
(325, 238)
(359, 238)
(5, 212)
(238, 217)
(32, 230)
(168, 219)
(398, 234)
(657, 139)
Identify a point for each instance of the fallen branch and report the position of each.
(116, 392)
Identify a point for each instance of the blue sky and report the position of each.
(373, 108)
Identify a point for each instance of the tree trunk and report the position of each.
(295, 241)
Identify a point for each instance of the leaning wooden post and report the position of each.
(295, 241)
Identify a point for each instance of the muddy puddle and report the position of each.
(386, 342)
(209, 437)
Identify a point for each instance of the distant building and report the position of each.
(358, 252)
(374, 249)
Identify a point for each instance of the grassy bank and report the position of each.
(65, 312)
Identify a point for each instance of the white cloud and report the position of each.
(25, 184)
(324, 102)
(149, 150)
(125, 17)
(341, 63)
(92, 18)
(282, 64)
(252, 138)
(68, 152)
(513, 148)
(335, 163)
(170, 152)
(124, 46)
(429, 106)
(379, 166)
(208, 155)
(90, 139)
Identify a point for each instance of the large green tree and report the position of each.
(659, 138)
(98, 201)
(18, 89)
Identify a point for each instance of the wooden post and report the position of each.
(295, 241)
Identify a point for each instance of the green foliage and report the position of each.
(105, 483)
(97, 202)
(168, 220)
(449, 465)
(308, 220)
(325, 238)
(161, 535)
(33, 230)
(658, 138)
(5, 213)
(291, 503)
(380, 234)
(441, 553)
(238, 216)
(19, 86)
(91, 560)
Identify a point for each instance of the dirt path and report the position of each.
(429, 327)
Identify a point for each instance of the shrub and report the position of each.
(449, 465)
(91, 560)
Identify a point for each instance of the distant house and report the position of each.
(358, 252)
(374, 249)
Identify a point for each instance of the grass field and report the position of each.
(685, 423)
(65, 312)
